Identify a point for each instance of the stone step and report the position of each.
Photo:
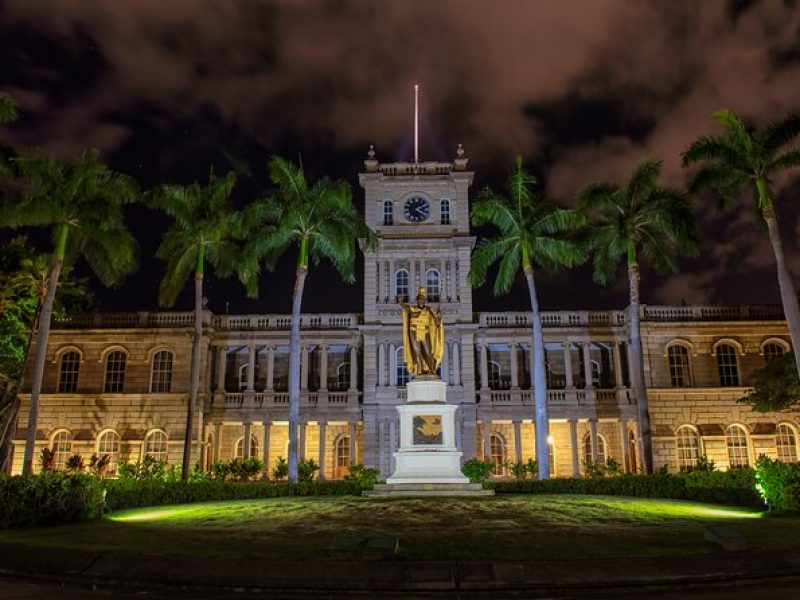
(397, 490)
(424, 493)
(427, 486)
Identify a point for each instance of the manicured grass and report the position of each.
(527, 527)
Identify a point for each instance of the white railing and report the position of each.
(553, 318)
(767, 312)
(423, 168)
(128, 320)
(271, 321)
(281, 399)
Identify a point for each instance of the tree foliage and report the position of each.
(776, 386)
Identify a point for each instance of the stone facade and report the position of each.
(697, 364)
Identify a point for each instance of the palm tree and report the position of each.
(742, 158)
(205, 228)
(81, 203)
(641, 219)
(322, 222)
(532, 234)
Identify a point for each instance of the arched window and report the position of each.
(688, 444)
(786, 443)
(155, 445)
(494, 375)
(497, 453)
(240, 447)
(108, 443)
(601, 449)
(115, 372)
(68, 372)
(736, 440)
(388, 212)
(62, 449)
(343, 376)
(401, 283)
(772, 350)
(342, 452)
(161, 375)
(596, 371)
(401, 369)
(679, 370)
(727, 365)
(633, 466)
(432, 285)
(444, 211)
(243, 377)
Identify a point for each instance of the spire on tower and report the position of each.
(416, 123)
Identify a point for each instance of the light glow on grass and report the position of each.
(726, 513)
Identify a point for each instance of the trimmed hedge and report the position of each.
(49, 499)
(722, 487)
(131, 494)
(779, 483)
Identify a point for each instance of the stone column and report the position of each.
(617, 357)
(392, 444)
(246, 439)
(381, 364)
(484, 366)
(587, 366)
(514, 367)
(517, 441)
(222, 364)
(265, 450)
(270, 368)
(352, 434)
(485, 439)
(322, 450)
(412, 280)
(382, 448)
(623, 444)
(573, 442)
(392, 291)
(392, 365)
(251, 369)
(217, 440)
(301, 441)
(569, 382)
(456, 363)
(304, 368)
(353, 368)
(323, 369)
(459, 427)
(593, 439)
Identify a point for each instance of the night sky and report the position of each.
(582, 89)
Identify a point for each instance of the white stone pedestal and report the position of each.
(427, 452)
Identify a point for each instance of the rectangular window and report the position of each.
(115, 373)
(68, 375)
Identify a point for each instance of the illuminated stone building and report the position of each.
(118, 383)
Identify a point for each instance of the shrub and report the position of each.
(593, 468)
(612, 467)
(49, 499)
(130, 493)
(704, 465)
(148, 468)
(729, 487)
(478, 470)
(47, 460)
(533, 468)
(779, 483)
(245, 469)
(98, 465)
(75, 464)
(281, 469)
(366, 478)
(306, 469)
(518, 469)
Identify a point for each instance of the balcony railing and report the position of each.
(281, 399)
(559, 397)
(271, 321)
(553, 318)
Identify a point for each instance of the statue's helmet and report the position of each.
(421, 293)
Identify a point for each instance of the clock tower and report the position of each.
(420, 212)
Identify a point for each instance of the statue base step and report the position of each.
(410, 490)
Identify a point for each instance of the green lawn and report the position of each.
(503, 527)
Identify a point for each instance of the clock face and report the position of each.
(416, 209)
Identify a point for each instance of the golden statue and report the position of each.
(423, 336)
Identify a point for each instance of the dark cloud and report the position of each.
(582, 89)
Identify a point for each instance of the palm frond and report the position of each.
(779, 133)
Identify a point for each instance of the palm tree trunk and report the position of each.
(42, 339)
(539, 383)
(637, 370)
(294, 371)
(8, 422)
(194, 384)
(788, 294)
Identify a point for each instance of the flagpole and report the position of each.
(416, 123)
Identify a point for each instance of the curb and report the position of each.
(332, 576)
